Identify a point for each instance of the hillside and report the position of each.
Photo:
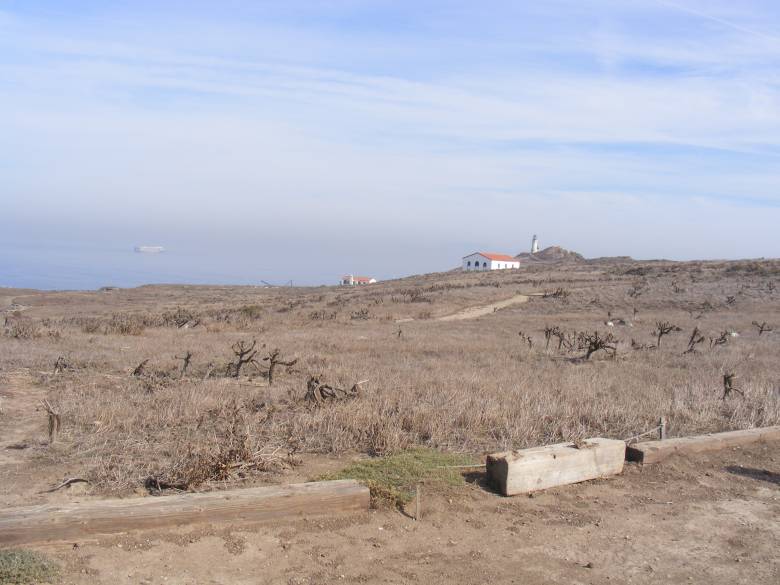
(168, 389)
(552, 254)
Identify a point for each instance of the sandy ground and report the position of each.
(714, 519)
(482, 310)
(705, 521)
(23, 423)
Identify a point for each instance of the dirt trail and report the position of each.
(9, 305)
(21, 427)
(482, 310)
(28, 464)
(712, 519)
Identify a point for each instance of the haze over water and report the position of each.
(78, 265)
(65, 266)
(304, 140)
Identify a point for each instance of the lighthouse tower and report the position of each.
(534, 245)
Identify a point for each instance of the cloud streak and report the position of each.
(423, 120)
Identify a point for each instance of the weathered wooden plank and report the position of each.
(655, 451)
(528, 470)
(252, 505)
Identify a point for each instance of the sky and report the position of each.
(391, 137)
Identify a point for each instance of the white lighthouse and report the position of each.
(534, 245)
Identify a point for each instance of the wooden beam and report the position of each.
(73, 521)
(528, 470)
(655, 451)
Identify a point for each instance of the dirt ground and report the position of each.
(713, 519)
(481, 311)
(469, 383)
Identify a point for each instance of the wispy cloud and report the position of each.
(403, 116)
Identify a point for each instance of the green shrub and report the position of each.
(22, 567)
(394, 478)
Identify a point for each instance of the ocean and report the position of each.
(68, 266)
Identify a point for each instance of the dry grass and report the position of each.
(26, 567)
(460, 386)
(394, 479)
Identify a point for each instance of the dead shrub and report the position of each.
(22, 328)
(323, 315)
(454, 386)
(558, 293)
(360, 315)
(235, 450)
(595, 342)
(179, 318)
(90, 325)
(124, 324)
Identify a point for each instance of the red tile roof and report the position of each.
(356, 278)
(494, 256)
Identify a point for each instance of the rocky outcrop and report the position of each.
(552, 254)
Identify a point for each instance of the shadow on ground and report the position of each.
(752, 473)
(481, 480)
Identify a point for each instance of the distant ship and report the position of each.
(149, 249)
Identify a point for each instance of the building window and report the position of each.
(484, 265)
(468, 263)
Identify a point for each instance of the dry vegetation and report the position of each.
(170, 387)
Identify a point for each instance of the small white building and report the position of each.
(489, 261)
(352, 280)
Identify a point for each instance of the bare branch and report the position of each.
(664, 328)
(728, 385)
(721, 340)
(274, 360)
(139, 369)
(317, 392)
(66, 483)
(762, 327)
(60, 365)
(186, 362)
(593, 342)
(55, 421)
(695, 339)
(526, 339)
(245, 354)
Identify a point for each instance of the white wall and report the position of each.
(350, 281)
(468, 262)
(504, 265)
(490, 264)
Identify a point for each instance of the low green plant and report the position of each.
(22, 567)
(393, 479)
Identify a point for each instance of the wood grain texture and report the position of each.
(528, 470)
(72, 521)
(655, 451)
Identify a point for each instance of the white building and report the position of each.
(534, 245)
(352, 280)
(489, 261)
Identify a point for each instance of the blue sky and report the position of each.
(390, 136)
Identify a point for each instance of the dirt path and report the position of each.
(482, 310)
(9, 305)
(28, 465)
(712, 520)
(20, 426)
